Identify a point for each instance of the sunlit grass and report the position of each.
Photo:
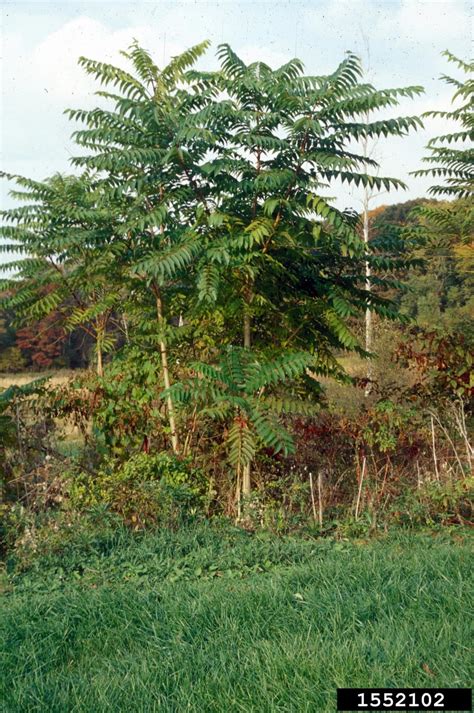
(207, 620)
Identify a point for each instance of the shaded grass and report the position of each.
(219, 620)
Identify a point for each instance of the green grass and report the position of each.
(219, 620)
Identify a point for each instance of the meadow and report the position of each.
(212, 618)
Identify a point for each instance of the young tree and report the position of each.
(278, 253)
(239, 390)
(68, 257)
(145, 153)
(206, 192)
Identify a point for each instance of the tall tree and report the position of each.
(145, 152)
(278, 253)
(206, 193)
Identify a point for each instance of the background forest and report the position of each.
(223, 340)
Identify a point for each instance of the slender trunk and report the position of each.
(238, 495)
(98, 348)
(166, 373)
(313, 502)
(361, 483)
(320, 500)
(246, 470)
(368, 285)
(187, 440)
(100, 366)
(247, 337)
(125, 328)
(433, 441)
(246, 485)
(164, 353)
(248, 296)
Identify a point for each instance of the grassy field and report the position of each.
(55, 377)
(213, 619)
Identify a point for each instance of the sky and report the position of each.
(399, 41)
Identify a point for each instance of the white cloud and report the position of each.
(41, 76)
(56, 58)
(254, 53)
(393, 21)
(429, 21)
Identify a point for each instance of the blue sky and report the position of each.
(400, 42)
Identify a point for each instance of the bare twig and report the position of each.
(312, 496)
(433, 440)
(361, 481)
(460, 418)
(419, 481)
(445, 431)
(320, 499)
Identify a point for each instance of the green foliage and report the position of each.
(202, 220)
(387, 422)
(282, 136)
(29, 535)
(454, 165)
(66, 272)
(144, 490)
(12, 360)
(438, 289)
(153, 201)
(239, 391)
(128, 412)
(435, 504)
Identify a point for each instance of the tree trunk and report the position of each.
(125, 328)
(368, 285)
(248, 296)
(246, 470)
(246, 485)
(166, 373)
(100, 366)
(99, 335)
(247, 337)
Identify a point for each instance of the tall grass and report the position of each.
(207, 620)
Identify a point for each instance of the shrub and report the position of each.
(30, 535)
(144, 490)
(435, 503)
(12, 360)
